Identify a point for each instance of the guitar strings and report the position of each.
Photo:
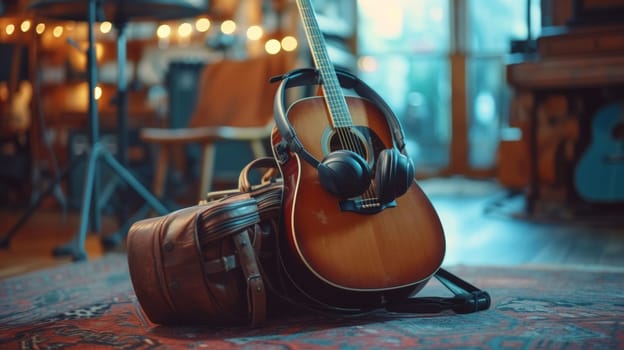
(334, 96)
(348, 139)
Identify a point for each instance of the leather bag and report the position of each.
(201, 264)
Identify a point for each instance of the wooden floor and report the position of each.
(31, 246)
(482, 227)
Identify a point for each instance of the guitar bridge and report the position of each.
(365, 206)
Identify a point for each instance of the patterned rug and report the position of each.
(92, 305)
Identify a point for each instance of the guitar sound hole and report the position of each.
(349, 139)
(365, 142)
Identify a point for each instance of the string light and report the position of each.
(10, 28)
(105, 27)
(163, 31)
(25, 26)
(202, 25)
(272, 46)
(40, 28)
(254, 32)
(185, 29)
(289, 43)
(57, 31)
(97, 92)
(228, 27)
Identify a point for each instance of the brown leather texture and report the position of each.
(201, 264)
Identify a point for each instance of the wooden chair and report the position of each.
(234, 102)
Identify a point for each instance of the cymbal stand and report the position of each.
(90, 209)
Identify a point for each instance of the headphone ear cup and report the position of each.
(344, 174)
(394, 175)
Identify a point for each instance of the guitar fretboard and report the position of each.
(334, 96)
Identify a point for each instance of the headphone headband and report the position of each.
(310, 76)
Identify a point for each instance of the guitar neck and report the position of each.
(334, 97)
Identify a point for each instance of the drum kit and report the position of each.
(119, 13)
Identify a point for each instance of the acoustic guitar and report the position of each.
(599, 173)
(335, 255)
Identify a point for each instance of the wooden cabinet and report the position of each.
(560, 94)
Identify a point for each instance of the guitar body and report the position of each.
(345, 258)
(599, 174)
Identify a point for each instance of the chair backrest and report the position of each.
(237, 93)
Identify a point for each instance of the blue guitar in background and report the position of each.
(599, 175)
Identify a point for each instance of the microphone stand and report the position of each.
(90, 209)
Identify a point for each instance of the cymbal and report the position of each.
(119, 10)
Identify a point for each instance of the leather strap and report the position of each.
(256, 293)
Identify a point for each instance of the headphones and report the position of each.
(345, 173)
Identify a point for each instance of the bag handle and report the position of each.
(244, 185)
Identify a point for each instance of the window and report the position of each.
(403, 47)
(411, 53)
